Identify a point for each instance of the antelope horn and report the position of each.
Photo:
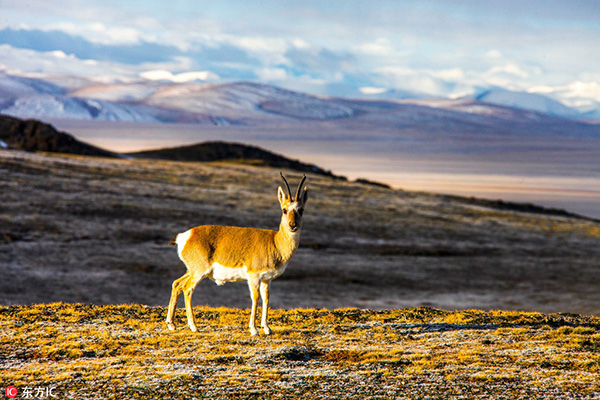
(299, 188)
(286, 185)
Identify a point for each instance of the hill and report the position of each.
(236, 152)
(96, 230)
(32, 135)
(125, 351)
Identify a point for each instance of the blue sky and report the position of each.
(437, 48)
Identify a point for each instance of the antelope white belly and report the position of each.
(222, 274)
(270, 275)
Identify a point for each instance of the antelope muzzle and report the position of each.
(294, 221)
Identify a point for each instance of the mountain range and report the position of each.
(249, 103)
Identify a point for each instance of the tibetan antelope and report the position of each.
(231, 254)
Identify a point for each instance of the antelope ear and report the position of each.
(281, 195)
(305, 195)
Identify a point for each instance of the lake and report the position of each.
(562, 173)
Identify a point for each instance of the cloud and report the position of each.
(157, 75)
(218, 53)
(508, 70)
(368, 90)
(451, 75)
(379, 47)
(100, 33)
(17, 60)
(493, 54)
(585, 89)
(578, 94)
(272, 74)
(269, 50)
(133, 54)
(319, 61)
(417, 81)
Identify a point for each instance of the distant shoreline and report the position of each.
(557, 175)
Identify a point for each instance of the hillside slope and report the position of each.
(96, 230)
(87, 352)
(223, 151)
(32, 135)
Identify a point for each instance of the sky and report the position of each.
(342, 48)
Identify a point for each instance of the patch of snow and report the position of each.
(372, 90)
(183, 77)
(248, 97)
(13, 85)
(118, 92)
(48, 106)
(527, 101)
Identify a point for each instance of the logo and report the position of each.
(11, 392)
(32, 393)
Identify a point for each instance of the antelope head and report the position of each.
(292, 208)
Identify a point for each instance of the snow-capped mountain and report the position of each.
(16, 86)
(526, 101)
(253, 104)
(37, 98)
(83, 99)
(151, 101)
(591, 113)
(247, 99)
(56, 106)
(234, 100)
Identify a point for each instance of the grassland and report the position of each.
(125, 351)
(94, 230)
(81, 230)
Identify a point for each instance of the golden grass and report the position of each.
(125, 351)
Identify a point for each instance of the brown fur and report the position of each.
(256, 255)
(232, 247)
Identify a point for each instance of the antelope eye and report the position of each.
(301, 211)
(285, 210)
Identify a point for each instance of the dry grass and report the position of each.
(126, 352)
(83, 229)
(92, 230)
